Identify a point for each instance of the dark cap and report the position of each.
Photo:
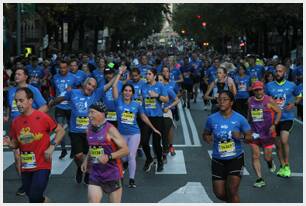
(99, 106)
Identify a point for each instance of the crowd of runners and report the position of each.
(112, 105)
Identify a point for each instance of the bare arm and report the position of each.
(207, 136)
(59, 134)
(115, 87)
(120, 142)
(44, 108)
(56, 101)
(181, 79)
(210, 87)
(272, 105)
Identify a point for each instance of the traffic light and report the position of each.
(198, 17)
(204, 24)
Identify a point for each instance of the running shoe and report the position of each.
(148, 165)
(280, 172)
(86, 178)
(160, 166)
(132, 183)
(259, 183)
(287, 171)
(79, 175)
(20, 191)
(172, 151)
(63, 154)
(273, 167)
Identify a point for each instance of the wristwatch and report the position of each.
(110, 157)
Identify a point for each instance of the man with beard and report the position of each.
(283, 92)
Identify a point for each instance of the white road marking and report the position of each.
(245, 171)
(59, 166)
(8, 159)
(184, 125)
(298, 121)
(195, 135)
(296, 174)
(192, 192)
(175, 164)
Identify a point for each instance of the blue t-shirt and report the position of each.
(256, 73)
(152, 106)
(197, 66)
(242, 85)
(61, 83)
(175, 74)
(137, 87)
(212, 74)
(171, 95)
(127, 115)
(35, 75)
(187, 71)
(226, 147)
(99, 76)
(80, 104)
(38, 100)
(283, 94)
(80, 76)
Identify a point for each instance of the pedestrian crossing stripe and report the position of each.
(175, 164)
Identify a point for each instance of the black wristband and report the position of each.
(110, 157)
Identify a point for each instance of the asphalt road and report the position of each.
(186, 178)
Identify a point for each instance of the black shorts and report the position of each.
(107, 187)
(284, 126)
(187, 87)
(220, 169)
(79, 143)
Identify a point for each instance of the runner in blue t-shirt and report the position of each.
(224, 129)
(80, 101)
(36, 73)
(79, 74)
(283, 92)
(127, 111)
(98, 73)
(62, 82)
(154, 94)
(243, 84)
(167, 131)
(144, 67)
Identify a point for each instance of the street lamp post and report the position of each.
(18, 33)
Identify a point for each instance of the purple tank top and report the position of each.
(262, 117)
(100, 143)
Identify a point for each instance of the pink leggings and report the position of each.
(132, 142)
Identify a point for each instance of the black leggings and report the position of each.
(147, 131)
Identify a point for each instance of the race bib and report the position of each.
(257, 115)
(95, 152)
(150, 103)
(127, 117)
(138, 100)
(28, 160)
(226, 148)
(14, 106)
(82, 122)
(111, 116)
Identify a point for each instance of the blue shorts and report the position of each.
(35, 184)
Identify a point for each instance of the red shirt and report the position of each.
(32, 134)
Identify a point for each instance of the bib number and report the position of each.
(127, 117)
(111, 116)
(95, 153)
(257, 115)
(150, 103)
(226, 148)
(28, 160)
(82, 122)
